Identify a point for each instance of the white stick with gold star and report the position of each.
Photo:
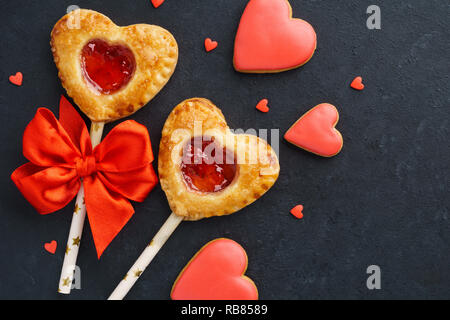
(146, 257)
(76, 228)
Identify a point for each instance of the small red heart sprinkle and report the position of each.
(157, 3)
(51, 247)
(210, 45)
(17, 79)
(262, 106)
(357, 84)
(297, 211)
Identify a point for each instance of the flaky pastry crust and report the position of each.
(258, 169)
(154, 48)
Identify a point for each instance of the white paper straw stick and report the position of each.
(76, 229)
(146, 257)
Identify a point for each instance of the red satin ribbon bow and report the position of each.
(60, 154)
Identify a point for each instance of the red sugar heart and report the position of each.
(315, 131)
(16, 79)
(51, 247)
(210, 45)
(157, 3)
(297, 211)
(216, 272)
(262, 106)
(357, 84)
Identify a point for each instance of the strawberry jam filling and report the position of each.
(108, 68)
(207, 167)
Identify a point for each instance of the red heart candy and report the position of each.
(210, 45)
(315, 131)
(51, 247)
(157, 3)
(262, 106)
(16, 79)
(357, 84)
(216, 272)
(297, 211)
(270, 40)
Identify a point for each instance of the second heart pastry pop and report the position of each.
(205, 170)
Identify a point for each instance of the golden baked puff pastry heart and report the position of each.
(205, 169)
(111, 71)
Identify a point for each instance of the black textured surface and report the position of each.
(384, 200)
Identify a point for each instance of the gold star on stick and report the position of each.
(77, 209)
(76, 241)
(66, 282)
(125, 278)
(151, 243)
(137, 273)
(67, 249)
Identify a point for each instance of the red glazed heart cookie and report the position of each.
(205, 169)
(315, 131)
(270, 40)
(216, 272)
(111, 71)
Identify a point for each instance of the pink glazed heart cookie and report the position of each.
(269, 40)
(216, 272)
(315, 131)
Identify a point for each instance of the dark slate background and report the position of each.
(384, 200)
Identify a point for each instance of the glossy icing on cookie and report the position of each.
(216, 272)
(315, 131)
(270, 40)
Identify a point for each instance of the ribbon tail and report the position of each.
(107, 211)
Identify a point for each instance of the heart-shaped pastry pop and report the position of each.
(111, 71)
(205, 169)
(315, 131)
(269, 40)
(216, 272)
